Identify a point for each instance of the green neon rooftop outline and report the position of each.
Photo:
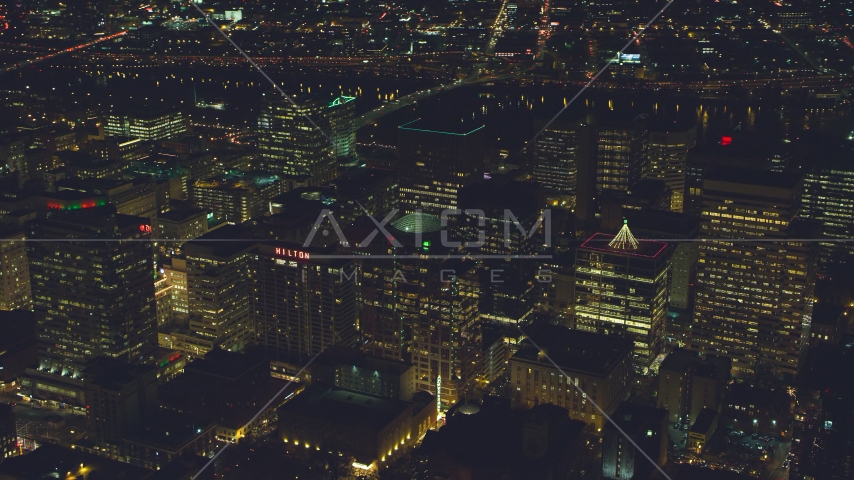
(338, 100)
(404, 127)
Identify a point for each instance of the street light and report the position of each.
(755, 421)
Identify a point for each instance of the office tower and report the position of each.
(302, 302)
(435, 160)
(599, 366)
(507, 271)
(422, 307)
(688, 384)
(621, 152)
(120, 398)
(754, 300)
(289, 143)
(667, 159)
(621, 289)
(829, 198)
(557, 154)
(219, 289)
(683, 230)
(15, 292)
(640, 428)
(146, 124)
(163, 301)
(175, 273)
(342, 131)
(237, 197)
(92, 298)
(179, 226)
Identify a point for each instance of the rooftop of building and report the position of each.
(18, 326)
(680, 360)
(344, 407)
(704, 421)
(339, 355)
(181, 215)
(825, 313)
(112, 374)
(634, 419)
(222, 242)
(168, 430)
(442, 127)
(651, 249)
(662, 223)
(573, 350)
(750, 177)
(500, 194)
(237, 179)
(227, 365)
(489, 437)
(48, 460)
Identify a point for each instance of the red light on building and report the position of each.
(726, 140)
(145, 228)
(287, 252)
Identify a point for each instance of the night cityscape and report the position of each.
(427, 239)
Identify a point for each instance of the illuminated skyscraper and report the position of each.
(291, 145)
(342, 131)
(302, 302)
(422, 307)
(15, 293)
(92, 297)
(621, 155)
(145, 124)
(829, 198)
(218, 288)
(667, 159)
(621, 289)
(754, 299)
(557, 154)
(435, 161)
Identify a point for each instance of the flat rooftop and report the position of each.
(574, 350)
(344, 407)
(446, 127)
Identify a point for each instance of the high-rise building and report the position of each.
(93, 293)
(754, 299)
(342, 131)
(683, 229)
(146, 124)
(237, 197)
(667, 159)
(435, 161)
(557, 154)
(15, 292)
(302, 302)
(219, 289)
(829, 198)
(288, 141)
(621, 152)
(621, 289)
(420, 306)
(507, 270)
(640, 434)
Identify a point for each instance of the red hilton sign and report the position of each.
(287, 252)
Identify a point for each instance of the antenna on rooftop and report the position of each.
(624, 239)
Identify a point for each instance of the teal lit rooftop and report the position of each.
(341, 101)
(450, 127)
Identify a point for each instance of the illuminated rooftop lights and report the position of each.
(624, 239)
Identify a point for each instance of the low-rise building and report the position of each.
(597, 366)
(374, 430)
